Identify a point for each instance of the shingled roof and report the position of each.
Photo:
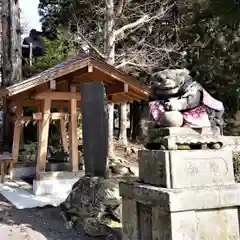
(77, 69)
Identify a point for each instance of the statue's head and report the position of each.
(168, 82)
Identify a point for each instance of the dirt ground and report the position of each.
(46, 223)
(34, 224)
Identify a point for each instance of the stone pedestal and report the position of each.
(182, 195)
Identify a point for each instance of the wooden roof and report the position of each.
(76, 71)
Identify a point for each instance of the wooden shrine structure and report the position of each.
(59, 88)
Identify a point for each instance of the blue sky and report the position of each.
(29, 15)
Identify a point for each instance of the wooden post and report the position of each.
(73, 132)
(43, 126)
(39, 130)
(17, 133)
(2, 172)
(63, 133)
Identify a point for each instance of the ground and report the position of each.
(34, 224)
(46, 223)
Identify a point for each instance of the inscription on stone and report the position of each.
(207, 169)
(199, 166)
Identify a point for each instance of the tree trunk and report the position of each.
(11, 43)
(109, 51)
(136, 112)
(144, 120)
(16, 49)
(11, 64)
(5, 44)
(123, 125)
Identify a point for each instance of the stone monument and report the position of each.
(93, 203)
(186, 188)
(95, 128)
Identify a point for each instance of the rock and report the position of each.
(134, 169)
(117, 212)
(120, 169)
(90, 200)
(134, 150)
(114, 161)
(127, 150)
(114, 208)
(112, 237)
(93, 227)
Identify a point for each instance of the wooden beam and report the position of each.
(95, 76)
(53, 116)
(120, 98)
(39, 116)
(136, 97)
(64, 96)
(36, 103)
(17, 133)
(22, 119)
(73, 140)
(27, 94)
(120, 76)
(25, 103)
(44, 132)
(52, 84)
(64, 133)
(67, 96)
(116, 88)
(90, 68)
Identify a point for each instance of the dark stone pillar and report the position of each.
(95, 128)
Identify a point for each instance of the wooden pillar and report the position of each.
(73, 132)
(39, 130)
(63, 132)
(17, 133)
(43, 130)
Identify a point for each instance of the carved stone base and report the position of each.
(183, 214)
(184, 138)
(184, 131)
(193, 168)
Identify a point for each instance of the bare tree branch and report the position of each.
(119, 8)
(84, 39)
(143, 20)
(107, 4)
(125, 63)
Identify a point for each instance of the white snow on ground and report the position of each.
(22, 197)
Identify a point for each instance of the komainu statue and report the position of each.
(176, 100)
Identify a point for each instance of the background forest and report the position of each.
(143, 36)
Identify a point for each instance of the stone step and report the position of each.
(184, 131)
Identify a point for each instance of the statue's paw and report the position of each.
(172, 119)
(175, 105)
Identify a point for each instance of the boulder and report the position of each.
(92, 204)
